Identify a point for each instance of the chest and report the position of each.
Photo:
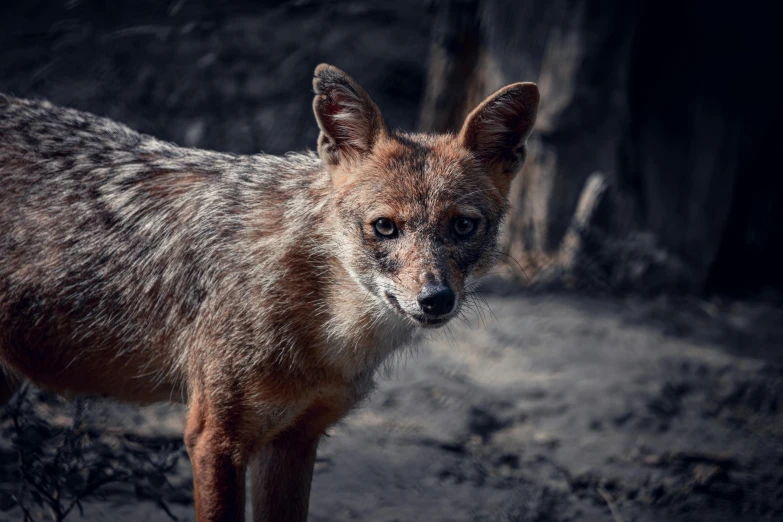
(356, 347)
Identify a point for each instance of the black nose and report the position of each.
(436, 299)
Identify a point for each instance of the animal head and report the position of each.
(418, 213)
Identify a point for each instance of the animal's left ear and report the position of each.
(497, 129)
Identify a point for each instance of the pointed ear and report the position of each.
(350, 122)
(497, 129)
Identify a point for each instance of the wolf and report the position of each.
(262, 291)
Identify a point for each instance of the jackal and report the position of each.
(262, 291)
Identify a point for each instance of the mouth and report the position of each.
(420, 319)
(395, 304)
(430, 322)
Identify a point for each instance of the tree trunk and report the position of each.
(582, 77)
(453, 78)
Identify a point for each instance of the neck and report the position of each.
(299, 263)
(359, 331)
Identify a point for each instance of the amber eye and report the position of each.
(385, 227)
(464, 227)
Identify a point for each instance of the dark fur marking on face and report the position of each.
(405, 139)
(385, 263)
(407, 162)
(360, 229)
(471, 251)
(379, 252)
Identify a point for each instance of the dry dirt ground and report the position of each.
(555, 407)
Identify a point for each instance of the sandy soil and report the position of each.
(553, 408)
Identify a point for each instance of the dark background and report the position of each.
(659, 120)
(231, 76)
(675, 104)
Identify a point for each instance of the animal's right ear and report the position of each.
(349, 120)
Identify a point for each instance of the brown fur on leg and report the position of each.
(282, 471)
(280, 480)
(218, 463)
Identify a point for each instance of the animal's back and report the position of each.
(111, 243)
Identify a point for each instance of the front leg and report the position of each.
(282, 471)
(218, 459)
(281, 474)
